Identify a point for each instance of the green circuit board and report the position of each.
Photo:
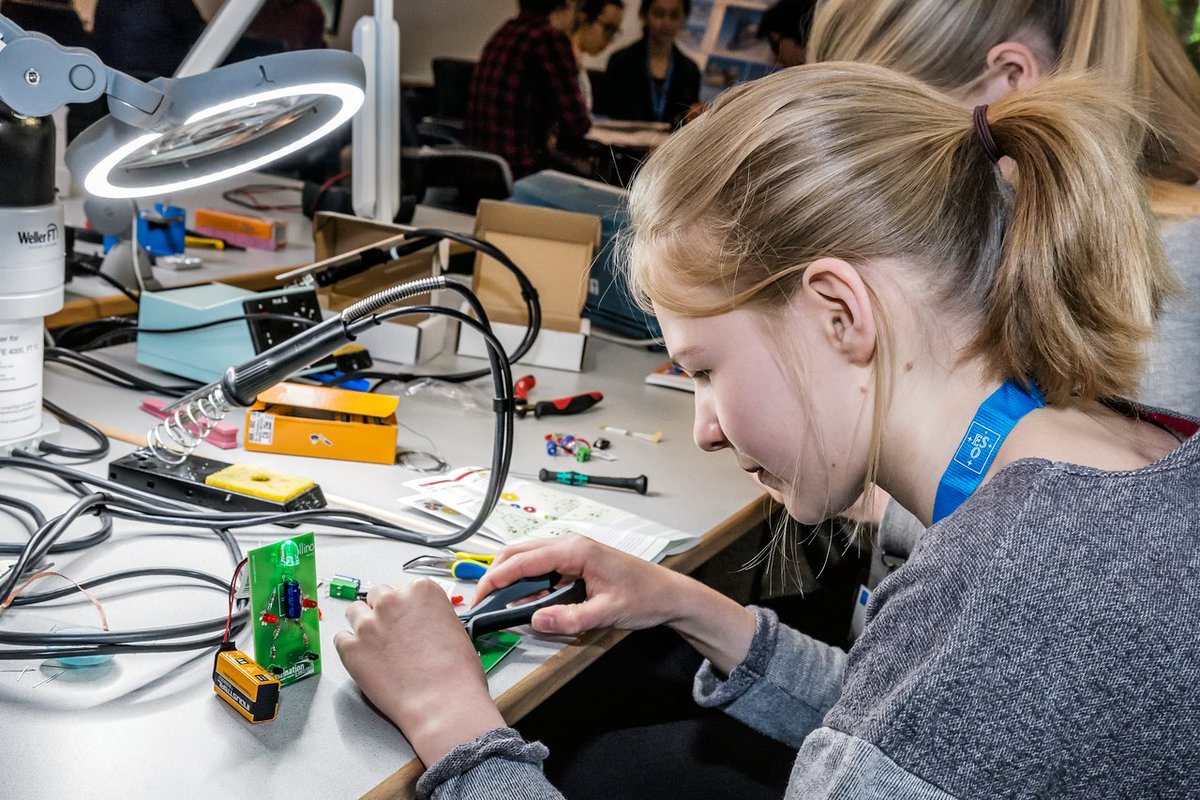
(283, 608)
(495, 646)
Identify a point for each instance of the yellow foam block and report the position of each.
(259, 482)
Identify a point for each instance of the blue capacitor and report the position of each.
(292, 599)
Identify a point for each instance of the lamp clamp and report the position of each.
(38, 76)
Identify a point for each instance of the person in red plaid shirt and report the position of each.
(526, 89)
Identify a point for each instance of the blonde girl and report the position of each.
(837, 258)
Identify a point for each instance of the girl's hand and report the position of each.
(623, 591)
(628, 593)
(408, 652)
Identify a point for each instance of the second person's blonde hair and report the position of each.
(1127, 43)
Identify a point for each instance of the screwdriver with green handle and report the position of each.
(638, 484)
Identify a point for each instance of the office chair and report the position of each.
(453, 177)
(451, 86)
(439, 172)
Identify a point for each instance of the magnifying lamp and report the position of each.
(163, 136)
(173, 134)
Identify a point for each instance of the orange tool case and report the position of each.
(324, 422)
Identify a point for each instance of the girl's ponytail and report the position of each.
(1082, 274)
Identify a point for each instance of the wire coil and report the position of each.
(178, 436)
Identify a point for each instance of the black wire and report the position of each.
(72, 479)
(31, 527)
(239, 622)
(94, 433)
(40, 542)
(212, 323)
(100, 535)
(533, 307)
(109, 279)
(29, 508)
(528, 294)
(110, 373)
(25, 599)
(63, 335)
(504, 403)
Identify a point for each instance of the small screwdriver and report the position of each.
(638, 484)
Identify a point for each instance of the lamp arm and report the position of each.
(38, 76)
(130, 100)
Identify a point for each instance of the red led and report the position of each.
(270, 618)
(308, 602)
(456, 599)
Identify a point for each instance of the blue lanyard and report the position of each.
(995, 418)
(658, 102)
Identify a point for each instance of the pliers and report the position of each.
(493, 614)
(459, 565)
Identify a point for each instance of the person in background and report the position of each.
(977, 51)
(842, 263)
(785, 26)
(597, 23)
(300, 23)
(147, 38)
(525, 91)
(58, 19)
(652, 80)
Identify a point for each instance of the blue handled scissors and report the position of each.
(460, 565)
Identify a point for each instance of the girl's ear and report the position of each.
(1011, 65)
(835, 291)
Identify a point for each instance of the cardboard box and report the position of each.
(323, 422)
(554, 249)
(407, 340)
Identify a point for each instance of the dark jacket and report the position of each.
(525, 86)
(626, 88)
(145, 37)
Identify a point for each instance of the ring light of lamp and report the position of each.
(221, 123)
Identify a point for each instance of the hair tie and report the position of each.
(984, 134)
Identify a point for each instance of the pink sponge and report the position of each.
(223, 435)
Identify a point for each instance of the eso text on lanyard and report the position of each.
(658, 100)
(995, 418)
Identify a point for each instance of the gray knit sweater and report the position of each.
(1043, 642)
(1172, 378)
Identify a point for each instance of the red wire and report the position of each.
(232, 591)
(312, 209)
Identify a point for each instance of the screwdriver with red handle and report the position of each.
(562, 406)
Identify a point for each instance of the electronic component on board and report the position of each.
(292, 600)
(344, 586)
